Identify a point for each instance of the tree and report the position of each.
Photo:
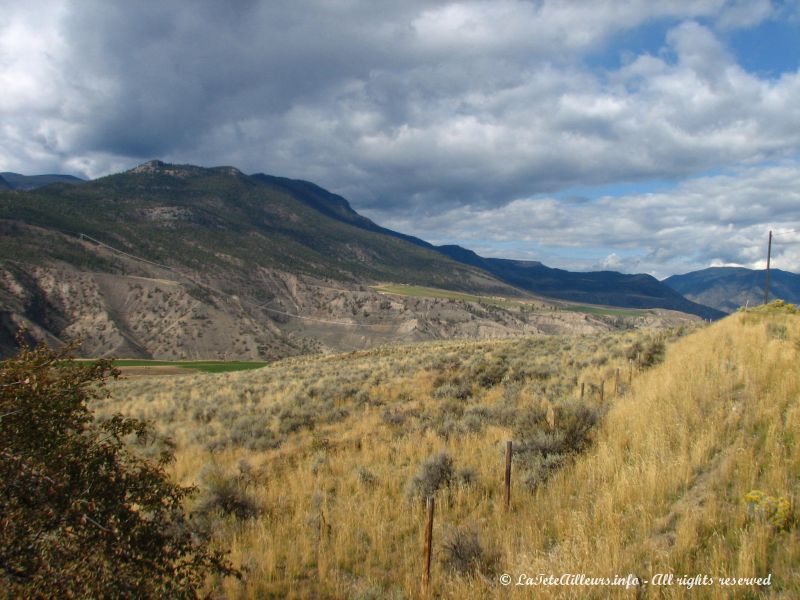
(81, 514)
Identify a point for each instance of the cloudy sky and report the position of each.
(633, 135)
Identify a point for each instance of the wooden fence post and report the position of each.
(426, 549)
(508, 474)
(583, 385)
(602, 390)
(616, 383)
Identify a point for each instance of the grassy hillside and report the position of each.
(319, 456)
(182, 262)
(225, 225)
(217, 222)
(426, 292)
(312, 470)
(207, 366)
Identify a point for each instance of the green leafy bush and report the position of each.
(81, 515)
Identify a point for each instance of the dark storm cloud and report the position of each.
(171, 73)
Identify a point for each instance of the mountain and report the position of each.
(335, 206)
(220, 221)
(598, 287)
(4, 185)
(180, 261)
(603, 287)
(728, 288)
(32, 182)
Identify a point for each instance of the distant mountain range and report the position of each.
(16, 181)
(728, 288)
(184, 261)
(600, 287)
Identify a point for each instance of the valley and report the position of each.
(463, 300)
(156, 315)
(179, 262)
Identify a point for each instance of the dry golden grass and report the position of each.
(331, 444)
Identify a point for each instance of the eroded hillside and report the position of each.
(134, 308)
(184, 262)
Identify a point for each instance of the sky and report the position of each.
(638, 136)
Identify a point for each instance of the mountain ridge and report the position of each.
(181, 261)
(728, 288)
(595, 287)
(16, 181)
(533, 276)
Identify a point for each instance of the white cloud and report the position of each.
(722, 219)
(745, 13)
(446, 111)
(612, 262)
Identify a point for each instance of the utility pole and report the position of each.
(766, 282)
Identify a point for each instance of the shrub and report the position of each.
(366, 477)
(529, 419)
(543, 449)
(463, 552)
(82, 514)
(511, 392)
(466, 477)
(434, 473)
(253, 432)
(456, 388)
(777, 511)
(475, 421)
(536, 469)
(648, 354)
(295, 418)
(447, 428)
(395, 419)
(777, 331)
(227, 493)
(488, 374)
(576, 422)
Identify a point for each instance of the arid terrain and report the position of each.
(171, 313)
(632, 451)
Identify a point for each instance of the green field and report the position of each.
(207, 366)
(418, 291)
(601, 310)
